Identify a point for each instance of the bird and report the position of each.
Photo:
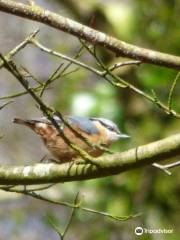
(100, 131)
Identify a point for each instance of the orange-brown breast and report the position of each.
(62, 151)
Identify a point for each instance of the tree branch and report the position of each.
(95, 37)
(166, 167)
(78, 205)
(105, 72)
(107, 165)
(22, 45)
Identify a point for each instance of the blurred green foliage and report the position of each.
(155, 25)
(151, 24)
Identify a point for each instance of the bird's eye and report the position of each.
(110, 128)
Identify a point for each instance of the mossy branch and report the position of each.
(120, 48)
(107, 165)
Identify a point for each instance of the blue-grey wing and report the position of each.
(83, 123)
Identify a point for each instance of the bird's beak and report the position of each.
(123, 136)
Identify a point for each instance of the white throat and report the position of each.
(111, 136)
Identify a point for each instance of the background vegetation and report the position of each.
(152, 24)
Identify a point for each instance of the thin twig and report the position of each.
(76, 203)
(18, 188)
(76, 56)
(41, 188)
(19, 94)
(15, 50)
(55, 227)
(5, 104)
(122, 64)
(70, 205)
(166, 167)
(55, 75)
(49, 80)
(25, 72)
(60, 55)
(172, 90)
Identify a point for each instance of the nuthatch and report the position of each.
(96, 130)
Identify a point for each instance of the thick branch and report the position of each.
(107, 165)
(95, 37)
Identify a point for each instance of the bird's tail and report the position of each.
(28, 123)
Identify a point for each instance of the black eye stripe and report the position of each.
(110, 128)
(107, 126)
